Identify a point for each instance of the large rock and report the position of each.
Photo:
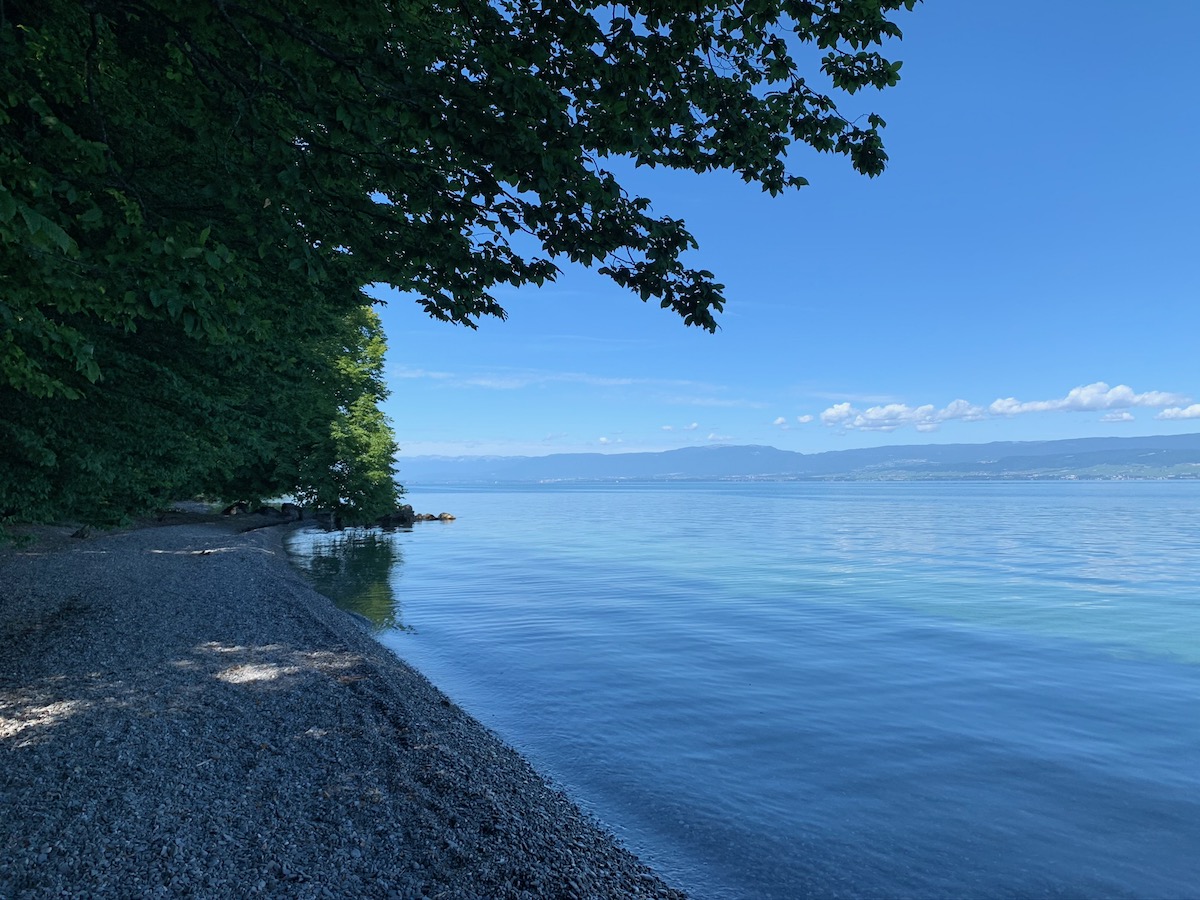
(402, 517)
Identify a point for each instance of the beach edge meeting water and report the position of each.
(180, 712)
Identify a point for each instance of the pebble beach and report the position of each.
(182, 715)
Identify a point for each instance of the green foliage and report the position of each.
(193, 196)
(350, 468)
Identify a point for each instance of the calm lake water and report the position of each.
(789, 690)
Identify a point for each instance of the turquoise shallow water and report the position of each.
(783, 690)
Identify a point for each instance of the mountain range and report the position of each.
(1165, 456)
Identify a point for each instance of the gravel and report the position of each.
(182, 715)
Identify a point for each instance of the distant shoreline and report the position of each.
(1172, 457)
(814, 479)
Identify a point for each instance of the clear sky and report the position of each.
(1028, 268)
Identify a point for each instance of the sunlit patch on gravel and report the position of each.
(15, 720)
(244, 674)
(215, 647)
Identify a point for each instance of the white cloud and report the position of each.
(891, 416)
(838, 414)
(605, 440)
(1088, 397)
(496, 383)
(961, 409)
(854, 398)
(673, 391)
(517, 380)
(713, 436)
(720, 402)
(692, 427)
(780, 421)
(1097, 397)
(804, 420)
(1180, 412)
(668, 428)
(509, 379)
(407, 372)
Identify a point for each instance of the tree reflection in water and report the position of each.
(353, 568)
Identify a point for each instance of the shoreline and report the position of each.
(182, 714)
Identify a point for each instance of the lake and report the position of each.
(778, 690)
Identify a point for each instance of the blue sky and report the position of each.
(1028, 268)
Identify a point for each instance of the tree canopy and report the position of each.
(194, 195)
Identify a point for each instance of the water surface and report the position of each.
(780, 690)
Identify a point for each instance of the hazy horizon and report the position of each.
(619, 450)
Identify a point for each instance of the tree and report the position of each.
(350, 468)
(193, 196)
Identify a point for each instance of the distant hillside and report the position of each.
(1167, 456)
